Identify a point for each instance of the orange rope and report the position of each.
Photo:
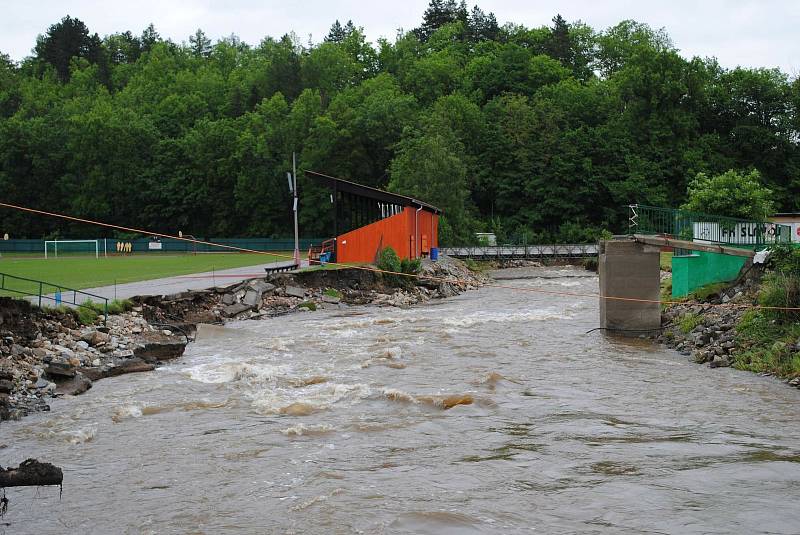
(387, 272)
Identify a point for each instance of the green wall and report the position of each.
(698, 269)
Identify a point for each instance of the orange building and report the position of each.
(367, 220)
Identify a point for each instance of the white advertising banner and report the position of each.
(738, 234)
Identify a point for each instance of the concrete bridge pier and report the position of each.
(631, 270)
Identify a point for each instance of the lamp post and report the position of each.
(293, 189)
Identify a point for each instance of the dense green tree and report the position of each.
(123, 47)
(431, 167)
(482, 26)
(732, 194)
(617, 45)
(511, 68)
(199, 44)
(558, 44)
(329, 69)
(65, 40)
(149, 38)
(439, 13)
(9, 87)
(538, 133)
(339, 33)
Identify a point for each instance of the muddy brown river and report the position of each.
(491, 412)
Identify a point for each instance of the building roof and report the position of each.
(786, 214)
(369, 192)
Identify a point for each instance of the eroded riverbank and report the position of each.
(48, 353)
(566, 432)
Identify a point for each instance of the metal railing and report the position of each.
(522, 251)
(706, 228)
(42, 290)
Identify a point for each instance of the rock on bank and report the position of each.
(45, 354)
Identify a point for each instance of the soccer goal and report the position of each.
(54, 247)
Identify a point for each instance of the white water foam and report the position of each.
(301, 429)
(81, 434)
(228, 372)
(128, 411)
(314, 398)
(504, 317)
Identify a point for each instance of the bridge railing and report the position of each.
(706, 228)
(522, 251)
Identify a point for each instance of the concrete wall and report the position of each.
(700, 268)
(629, 270)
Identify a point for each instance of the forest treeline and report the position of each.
(537, 132)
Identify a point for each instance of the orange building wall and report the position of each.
(397, 232)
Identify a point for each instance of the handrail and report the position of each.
(699, 215)
(570, 250)
(42, 295)
(706, 228)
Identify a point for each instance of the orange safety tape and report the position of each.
(387, 272)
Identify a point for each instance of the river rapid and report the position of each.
(490, 412)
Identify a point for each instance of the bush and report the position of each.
(781, 290)
(388, 260)
(88, 313)
(412, 266)
(785, 259)
(118, 306)
(332, 292)
(767, 346)
(60, 309)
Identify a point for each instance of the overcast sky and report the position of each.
(750, 33)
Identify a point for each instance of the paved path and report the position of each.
(180, 283)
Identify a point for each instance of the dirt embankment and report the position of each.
(311, 290)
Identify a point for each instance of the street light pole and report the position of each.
(294, 191)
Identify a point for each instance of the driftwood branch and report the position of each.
(31, 473)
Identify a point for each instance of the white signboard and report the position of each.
(154, 245)
(739, 234)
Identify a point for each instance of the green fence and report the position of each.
(706, 228)
(692, 271)
(164, 245)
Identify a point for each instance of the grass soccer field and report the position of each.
(88, 272)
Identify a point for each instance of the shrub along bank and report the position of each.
(715, 326)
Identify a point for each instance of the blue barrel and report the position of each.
(434, 253)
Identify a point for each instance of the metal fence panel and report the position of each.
(706, 228)
(165, 245)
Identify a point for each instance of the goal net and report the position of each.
(53, 248)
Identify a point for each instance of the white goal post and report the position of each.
(55, 244)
